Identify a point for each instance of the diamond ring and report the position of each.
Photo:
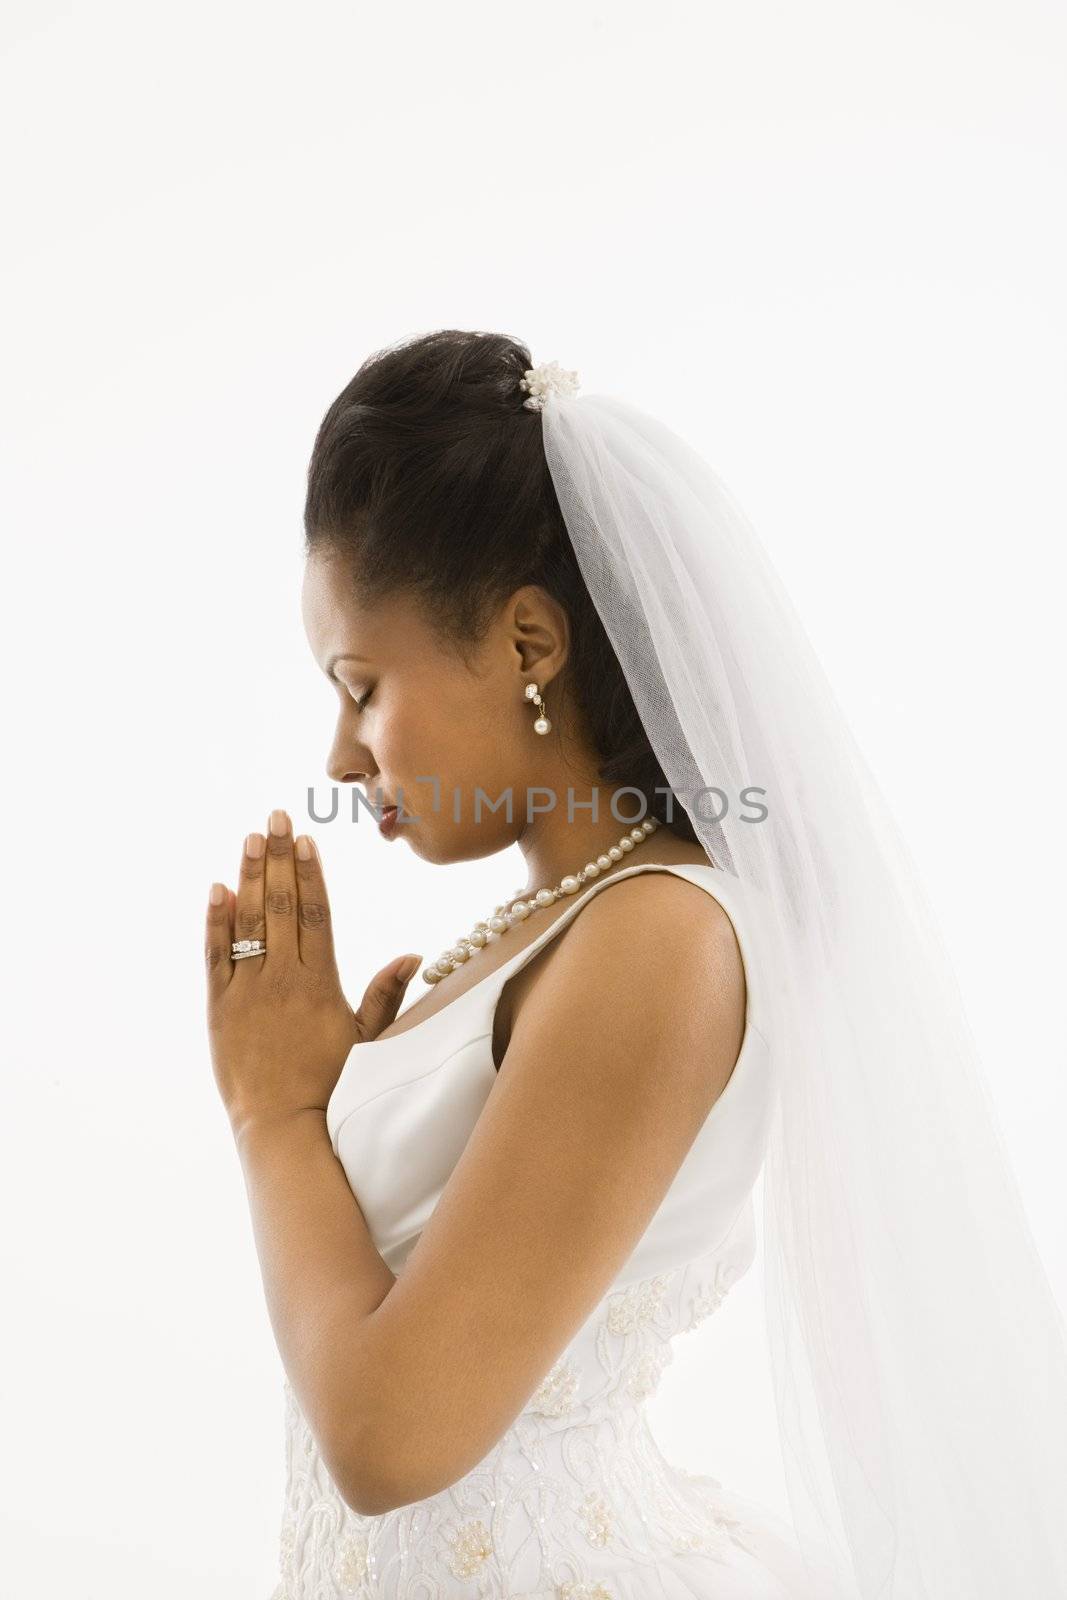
(241, 949)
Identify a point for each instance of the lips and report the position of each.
(387, 821)
(373, 800)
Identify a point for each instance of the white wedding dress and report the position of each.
(575, 1502)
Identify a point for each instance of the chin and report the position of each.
(450, 845)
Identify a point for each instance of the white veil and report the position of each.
(919, 1357)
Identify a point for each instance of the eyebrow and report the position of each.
(334, 660)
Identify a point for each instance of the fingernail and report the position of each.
(406, 972)
(303, 847)
(279, 824)
(218, 894)
(254, 845)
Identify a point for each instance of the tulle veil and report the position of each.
(919, 1356)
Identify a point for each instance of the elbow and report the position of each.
(367, 1483)
(347, 1468)
(376, 1481)
(365, 1491)
(374, 1495)
(368, 1500)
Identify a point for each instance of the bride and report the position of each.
(482, 1218)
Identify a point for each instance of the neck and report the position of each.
(554, 846)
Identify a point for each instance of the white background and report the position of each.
(826, 243)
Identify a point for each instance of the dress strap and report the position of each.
(737, 899)
(699, 872)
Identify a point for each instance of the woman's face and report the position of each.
(411, 712)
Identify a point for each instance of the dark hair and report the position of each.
(430, 475)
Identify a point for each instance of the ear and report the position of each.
(538, 630)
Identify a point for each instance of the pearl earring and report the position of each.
(542, 724)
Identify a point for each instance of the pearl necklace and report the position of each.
(512, 912)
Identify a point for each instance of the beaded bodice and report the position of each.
(576, 1497)
(576, 1489)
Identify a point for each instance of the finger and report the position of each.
(248, 919)
(313, 909)
(218, 936)
(280, 897)
(386, 990)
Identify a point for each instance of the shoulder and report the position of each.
(670, 922)
(653, 945)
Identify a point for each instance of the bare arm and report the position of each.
(322, 1275)
(606, 1081)
(281, 1031)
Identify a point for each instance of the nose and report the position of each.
(344, 766)
(339, 768)
(348, 760)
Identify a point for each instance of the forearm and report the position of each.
(322, 1276)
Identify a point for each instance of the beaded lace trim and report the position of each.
(575, 1490)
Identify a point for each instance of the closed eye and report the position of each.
(361, 703)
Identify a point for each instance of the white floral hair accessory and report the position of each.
(547, 379)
